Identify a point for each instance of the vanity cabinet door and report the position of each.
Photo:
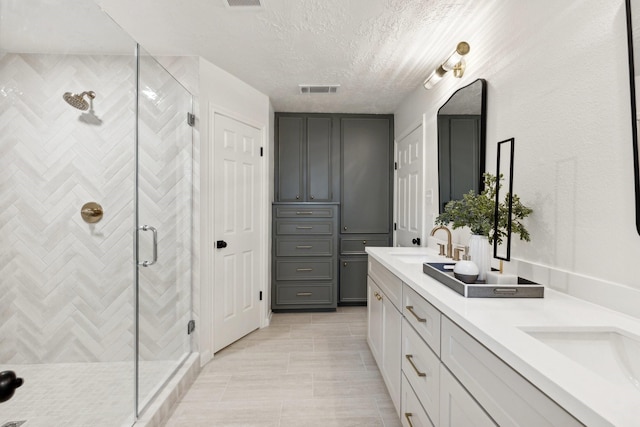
(318, 162)
(374, 318)
(457, 407)
(384, 338)
(353, 280)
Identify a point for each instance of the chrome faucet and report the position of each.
(449, 245)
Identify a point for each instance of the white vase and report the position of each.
(480, 252)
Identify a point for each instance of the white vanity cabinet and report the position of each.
(384, 330)
(438, 374)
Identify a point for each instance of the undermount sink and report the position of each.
(610, 353)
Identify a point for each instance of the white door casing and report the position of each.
(409, 176)
(237, 175)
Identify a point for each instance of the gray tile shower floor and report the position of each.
(306, 369)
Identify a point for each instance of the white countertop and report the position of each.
(496, 322)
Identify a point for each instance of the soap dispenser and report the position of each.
(466, 270)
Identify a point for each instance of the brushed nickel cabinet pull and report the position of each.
(344, 263)
(304, 269)
(304, 212)
(304, 294)
(408, 416)
(364, 242)
(418, 318)
(304, 247)
(304, 228)
(415, 368)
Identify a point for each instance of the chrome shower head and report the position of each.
(78, 101)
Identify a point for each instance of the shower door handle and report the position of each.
(155, 245)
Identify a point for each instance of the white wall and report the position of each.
(558, 82)
(221, 92)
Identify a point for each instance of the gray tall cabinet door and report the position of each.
(290, 159)
(319, 174)
(366, 171)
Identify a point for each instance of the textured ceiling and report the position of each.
(378, 51)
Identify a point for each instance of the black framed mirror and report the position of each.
(462, 124)
(633, 18)
(504, 190)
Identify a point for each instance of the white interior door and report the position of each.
(409, 189)
(237, 227)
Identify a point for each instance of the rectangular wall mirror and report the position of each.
(461, 142)
(504, 189)
(633, 37)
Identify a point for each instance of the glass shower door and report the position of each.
(164, 213)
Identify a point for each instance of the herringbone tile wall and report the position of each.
(66, 287)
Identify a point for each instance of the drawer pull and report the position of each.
(415, 368)
(304, 212)
(304, 247)
(378, 296)
(304, 269)
(418, 318)
(408, 416)
(303, 228)
(304, 294)
(364, 242)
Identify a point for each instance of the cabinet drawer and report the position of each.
(424, 317)
(508, 397)
(412, 413)
(304, 212)
(304, 227)
(304, 247)
(387, 281)
(301, 269)
(353, 246)
(320, 293)
(422, 369)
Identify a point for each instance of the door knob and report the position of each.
(221, 244)
(416, 241)
(8, 384)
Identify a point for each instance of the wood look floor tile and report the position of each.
(306, 369)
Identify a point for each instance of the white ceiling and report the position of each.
(378, 51)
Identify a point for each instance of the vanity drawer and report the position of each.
(507, 397)
(422, 369)
(286, 247)
(302, 269)
(284, 227)
(304, 212)
(424, 317)
(411, 413)
(353, 246)
(387, 281)
(308, 294)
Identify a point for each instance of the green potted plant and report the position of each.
(477, 211)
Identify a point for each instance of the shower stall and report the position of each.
(96, 216)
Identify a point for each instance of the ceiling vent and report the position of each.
(318, 88)
(244, 4)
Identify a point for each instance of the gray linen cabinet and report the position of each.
(333, 192)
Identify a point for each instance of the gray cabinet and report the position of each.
(353, 266)
(322, 159)
(304, 257)
(304, 158)
(366, 174)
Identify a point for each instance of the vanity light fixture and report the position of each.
(455, 62)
